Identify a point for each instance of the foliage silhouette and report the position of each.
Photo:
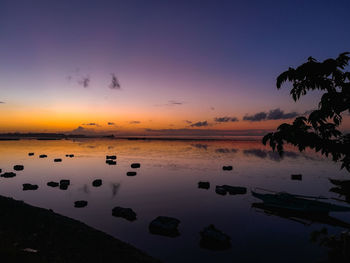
(318, 131)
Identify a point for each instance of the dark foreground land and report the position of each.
(32, 234)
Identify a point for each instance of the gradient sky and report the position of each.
(179, 63)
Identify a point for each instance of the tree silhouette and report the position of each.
(318, 131)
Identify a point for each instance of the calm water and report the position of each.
(166, 184)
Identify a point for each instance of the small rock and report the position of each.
(204, 185)
(0, 170)
(135, 165)
(30, 154)
(220, 190)
(165, 226)
(97, 183)
(298, 177)
(71, 155)
(57, 160)
(43, 156)
(53, 184)
(64, 184)
(18, 167)
(8, 175)
(80, 204)
(126, 213)
(111, 157)
(30, 187)
(227, 168)
(131, 173)
(111, 162)
(214, 239)
(235, 190)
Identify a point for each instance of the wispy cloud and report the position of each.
(256, 117)
(85, 82)
(114, 82)
(135, 122)
(171, 103)
(225, 119)
(91, 124)
(2, 102)
(275, 114)
(278, 114)
(200, 124)
(187, 121)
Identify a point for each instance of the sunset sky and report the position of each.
(180, 66)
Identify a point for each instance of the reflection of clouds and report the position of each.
(270, 154)
(226, 150)
(200, 146)
(115, 188)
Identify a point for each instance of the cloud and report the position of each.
(110, 123)
(274, 114)
(187, 121)
(212, 108)
(278, 114)
(135, 122)
(200, 124)
(256, 117)
(225, 119)
(174, 102)
(91, 124)
(171, 103)
(85, 82)
(2, 102)
(114, 83)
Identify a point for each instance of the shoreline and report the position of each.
(34, 234)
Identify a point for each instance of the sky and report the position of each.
(160, 67)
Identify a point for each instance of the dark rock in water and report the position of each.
(235, 190)
(214, 239)
(57, 160)
(53, 184)
(30, 187)
(135, 165)
(97, 182)
(65, 181)
(298, 177)
(70, 155)
(0, 170)
(227, 168)
(18, 167)
(43, 156)
(111, 157)
(30, 154)
(131, 173)
(220, 190)
(126, 213)
(204, 185)
(111, 162)
(165, 226)
(64, 184)
(8, 175)
(80, 204)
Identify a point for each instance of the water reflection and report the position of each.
(166, 184)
